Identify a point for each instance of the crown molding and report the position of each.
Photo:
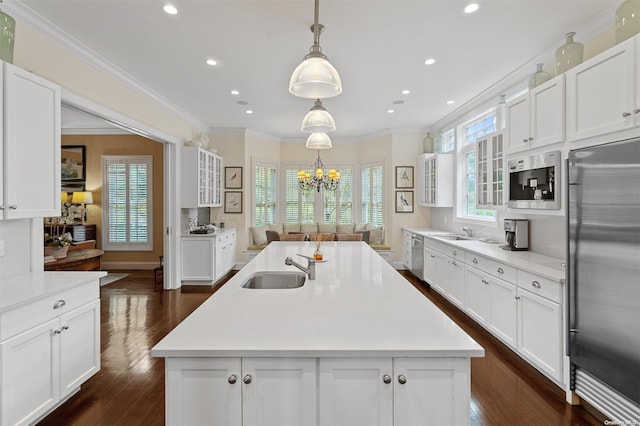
(227, 131)
(94, 131)
(27, 16)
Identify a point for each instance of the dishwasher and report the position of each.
(417, 256)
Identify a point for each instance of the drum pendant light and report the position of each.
(318, 120)
(315, 77)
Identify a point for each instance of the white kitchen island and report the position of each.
(359, 345)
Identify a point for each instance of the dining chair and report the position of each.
(292, 237)
(321, 237)
(272, 236)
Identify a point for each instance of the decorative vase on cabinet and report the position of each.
(7, 37)
(569, 54)
(539, 77)
(627, 20)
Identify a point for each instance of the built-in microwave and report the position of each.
(534, 181)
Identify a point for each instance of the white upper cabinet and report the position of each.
(435, 180)
(29, 145)
(201, 178)
(537, 118)
(602, 96)
(490, 164)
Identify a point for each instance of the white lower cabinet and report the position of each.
(456, 284)
(311, 391)
(478, 305)
(435, 269)
(207, 258)
(45, 363)
(502, 311)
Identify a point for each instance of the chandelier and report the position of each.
(318, 178)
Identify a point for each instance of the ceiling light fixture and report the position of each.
(212, 62)
(406, 92)
(315, 77)
(318, 120)
(249, 111)
(170, 9)
(430, 61)
(235, 92)
(318, 140)
(471, 7)
(318, 178)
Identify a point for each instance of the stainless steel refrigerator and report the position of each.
(604, 276)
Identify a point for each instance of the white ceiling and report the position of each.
(378, 47)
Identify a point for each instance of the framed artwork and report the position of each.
(404, 201)
(404, 177)
(233, 177)
(233, 202)
(74, 165)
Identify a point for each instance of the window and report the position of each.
(127, 206)
(371, 189)
(471, 131)
(335, 206)
(446, 141)
(266, 193)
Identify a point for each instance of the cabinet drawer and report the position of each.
(497, 269)
(437, 245)
(544, 287)
(30, 315)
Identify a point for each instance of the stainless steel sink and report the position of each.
(456, 237)
(275, 280)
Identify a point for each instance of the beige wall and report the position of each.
(96, 147)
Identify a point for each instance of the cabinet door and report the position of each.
(502, 311)
(353, 391)
(548, 112)
(455, 278)
(600, 93)
(406, 248)
(198, 259)
(203, 391)
(421, 181)
(518, 122)
(477, 288)
(79, 346)
(29, 374)
(279, 391)
(540, 332)
(435, 392)
(31, 145)
(497, 163)
(482, 173)
(216, 200)
(438, 274)
(203, 175)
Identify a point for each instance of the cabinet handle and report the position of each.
(1, 207)
(636, 111)
(530, 139)
(402, 379)
(246, 379)
(65, 327)
(454, 253)
(500, 271)
(59, 304)
(453, 262)
(386, 379)
(626, 114)
(232, 379)
(485, 282)
(517, 297)
(475, 260)
(525, 140)
(433, 255)
(13, 207)
(58, 331)
(536, 284)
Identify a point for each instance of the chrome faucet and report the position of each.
(310, 270)
(468, 231)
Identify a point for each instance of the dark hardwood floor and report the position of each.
(129, 389)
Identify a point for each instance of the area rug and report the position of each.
(112, 277)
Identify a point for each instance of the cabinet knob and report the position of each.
(453, 262)
(65, 327)
(517, 297)
(1, 208)
(386, 379)
(232, 379)
(485, 282)
(636, 111)
(59, 304)
(246, 379)
(58, 331)
(455, 253)
(475, 260)
(525, 140)
(402, 379)
(530, 139)
(500, 271)
(626, 114)
(13, 207)
(536, 284)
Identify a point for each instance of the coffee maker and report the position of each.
(516, 234)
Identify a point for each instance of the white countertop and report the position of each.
(220, 231)
(22, 289)
(545, 266)
(358, 305)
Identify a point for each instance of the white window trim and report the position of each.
(267, 163)
(147, 246)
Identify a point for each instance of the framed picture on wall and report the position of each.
(233, 177)
(74, 165)
(404, 177)
(233, 202)
(404, 201)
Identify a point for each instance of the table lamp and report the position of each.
(84, 197)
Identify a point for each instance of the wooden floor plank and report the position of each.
(129, 389)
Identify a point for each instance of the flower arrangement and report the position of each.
(58, 241)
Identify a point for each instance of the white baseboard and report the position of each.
(145, 266)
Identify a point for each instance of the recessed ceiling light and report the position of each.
(406, 92)
(235, 92)
(430, 61)
(243, 103)
(170, 9)
(398, 102)
(390, 111)
(471, 7)
(249, 111)
(212, 62)
(450, 102)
